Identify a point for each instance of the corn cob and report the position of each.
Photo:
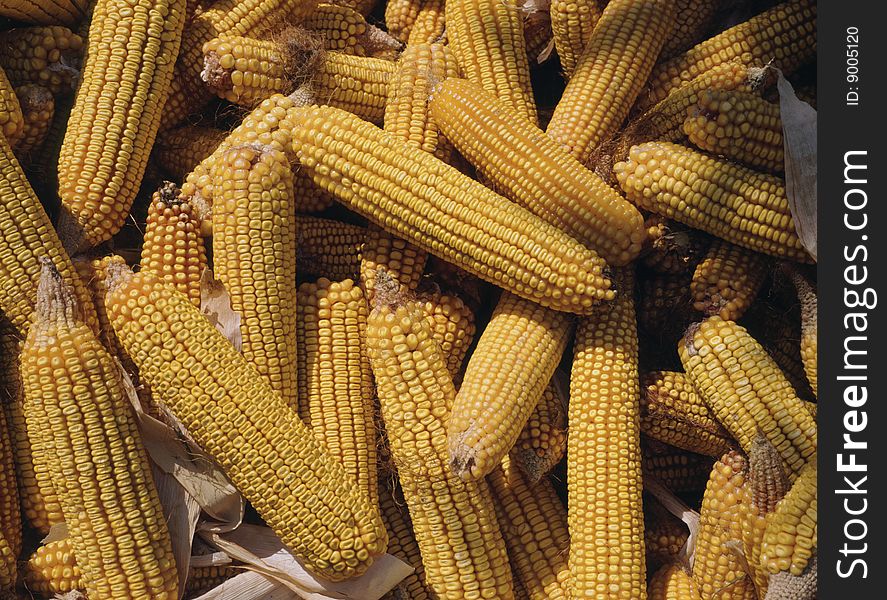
(99, 467)
(807, 297)
(328, 248)
(356, 84)
(202, 579)
(534, 524)
(664, 535)
(498, 394)
(556, 187)
(46, 56)
(335, 381)
(93, 272)
(740, 126)
(692, 19)
(727, 280)
(248, 420)
(678, 470)
(784, 34)
(37, 107)
(572, 22)
(402, 544)
(400, 16)
(738, 205)
(609, 76)
(109, 137)
(672, 582)
(10, 517)
(254, 250)
(12, 123)
(785, 586)
(605, 514)
(44, 12)
(436, 219)
(673, 413)
(538, 37)
(342, 28)
(309, 198)
(543, 441)
(670, 247)
(452, 327)
(178, 151)
(173, 249)
(664, 305)
(454, 520)
(429, 26)
(487, 37)
(790, 537)
(384, 252)
(245, 71)
(225, 18)
(746, 390)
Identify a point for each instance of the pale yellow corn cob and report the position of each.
(790, 537)
(572, 22)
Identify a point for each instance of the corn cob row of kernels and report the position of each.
(47, 56)
(673, 582)
(679, 471)
(790, 537)
(45, 12)
(692, 19)
(452, 327)
(572, 22)
(727, 279)
(543, 441)
(343, 29)
(328, 248)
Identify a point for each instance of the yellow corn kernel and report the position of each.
(664, 535)
(173, 248)
(454, 520)
(12, 123)
(790, 537)
(46, 56)
(734, 203)
(53, 570)
(353, 83)
(610, 73)
(543, 441)
(402, 544)
(400, 16)
(335, 392)
(693, 18)
(10, 516)
(514, 360)
(746, 390)
(98, 464)
(384, 252)
(674, 414)
(452, 327)
(672, 582)
(37, 107)
(572, 22)
(487, 37)
(444, 212)
(45, 12)
(341, 27)
(178, 151)
(93, 272)
(254, 256)
(678, 470)
(244, 70)
(784, 34)
(807, 297)
(604, 455)
(727, 280)
(328, 248)
(740, 126)
(109, 136)
(535, 171)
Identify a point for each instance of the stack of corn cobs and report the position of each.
(509, 343)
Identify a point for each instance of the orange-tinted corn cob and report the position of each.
(93, 272)
(45, 12)
(10, 516)
(178, 151)
(543, 441)
(439, 210)
(353, 83)
(678, 470)
(727, 279)
(740, 126)
(672, 582)
(173, 248)
(233, 413)
(572, 22)
(747, 391)
(534, 524)
(514, 360)
(109, 137)
(738, 205)
(610, 73)
(244, 70)
(809, 327)
(664, 534)
(46, 56)
(487, 37)
(37, 107)
(535, 171)
(717, 569)
(327, 248)
(402, 544)
(254, 256)
(384, 252)
(674, 414)
(98, 463)
(784, 34)
(670, 247)
(605, 514)
(12, 123)
(335, 381)
(692, 19)
(452, 327)
(790, 538)
(454, 520)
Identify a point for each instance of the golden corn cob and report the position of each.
(747, 391)
(610, 73)
(327, 248)
(673, 413)
(692, 19)
(514, 360)
(672, 582)
(606, 529)
(740, 126)
(535, 171)
(784, 34)
(245, 70)
(738, 205)
(385, 252)
(400, 16)
(487, 37)
(93, 272)
(678, 470)
(380, 166)
(254, 256)
(303, 494)
(727, 280)
(543, 441)
(670, 247)
(335, 381)
(664, 534)
(452, 327)
(99, 466)
(572, 22)
(809, 328)
(790, 537)
(44, 12)
(37, 107)
(402, 544)
(178, 151)
(341, 27)
(10, 516)
(47, 56)
(353, 83)
(534, 524)
(12, 123)
(454, 520)
(109, 137)
(429, 26)
(173, 248)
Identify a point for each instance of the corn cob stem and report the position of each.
(726, 281)
(46, 56)
(572, 22)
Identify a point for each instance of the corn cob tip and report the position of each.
(388, 291)
(687, 340)
(767, 474)
(56, 300)
(116, 275)
(785, 586)
(533, 466)
(463, 459)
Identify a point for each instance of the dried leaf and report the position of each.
(181, 511)
(213, 559)
(678, 508)
(215, 303)
(57, 532)
(249, 585)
